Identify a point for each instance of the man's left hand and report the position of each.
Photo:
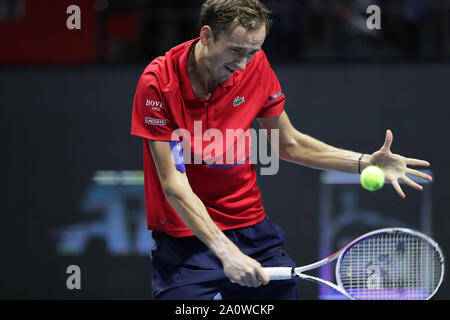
(395, 166)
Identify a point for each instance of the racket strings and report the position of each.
(391, 266)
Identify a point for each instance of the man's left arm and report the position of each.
(300, 148)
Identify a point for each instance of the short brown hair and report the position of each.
(222, 15)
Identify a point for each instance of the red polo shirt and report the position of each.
(165, 101)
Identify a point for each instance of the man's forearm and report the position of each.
(194, 214)
(313, 153)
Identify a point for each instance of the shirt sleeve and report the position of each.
(274, 104)
(151, 116)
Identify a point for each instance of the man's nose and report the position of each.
(241, 63)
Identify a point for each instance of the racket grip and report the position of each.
(279, 273)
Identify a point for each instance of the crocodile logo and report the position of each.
(237, 101)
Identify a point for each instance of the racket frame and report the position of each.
(397, 230)
(281, 273)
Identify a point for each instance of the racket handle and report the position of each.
(279, 273)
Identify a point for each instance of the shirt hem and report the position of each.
(179, 233)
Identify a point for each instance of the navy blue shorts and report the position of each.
(185, 269)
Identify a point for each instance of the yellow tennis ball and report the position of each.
(372, 178)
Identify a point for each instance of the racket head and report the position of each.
(391, 264)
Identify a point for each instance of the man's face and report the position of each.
(229, 52)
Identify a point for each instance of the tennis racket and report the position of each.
(386, 264)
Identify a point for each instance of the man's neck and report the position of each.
(202, 81)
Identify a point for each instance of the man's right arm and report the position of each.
(237, 266)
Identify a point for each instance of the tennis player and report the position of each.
(212, 235)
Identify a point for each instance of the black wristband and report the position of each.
(359, 163)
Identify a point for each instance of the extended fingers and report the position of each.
(419, 174)
(411, 183)
(388, 141)
(397, 188)
(405, 179)
(417, 162)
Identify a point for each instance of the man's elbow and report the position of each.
(288, 149)
(173, 190)
(296, 149)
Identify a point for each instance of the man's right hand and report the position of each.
(244, 270)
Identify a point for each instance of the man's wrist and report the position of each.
(222, 247)
(359, 163)
(363, 162)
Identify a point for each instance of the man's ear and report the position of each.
(206, 35)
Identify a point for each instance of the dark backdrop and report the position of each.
(61, 124)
